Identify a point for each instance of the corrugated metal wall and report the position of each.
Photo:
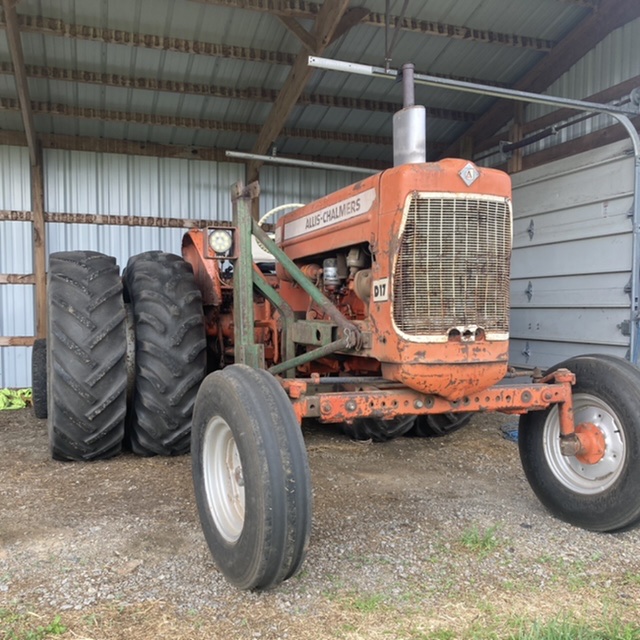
(572, 257)
(16, 301)
(84, 182)
(612, 61)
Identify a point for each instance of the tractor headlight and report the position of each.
(220, 241)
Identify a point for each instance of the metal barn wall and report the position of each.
(16, 301)
(572, 257)
(85, 182)
(612, 61)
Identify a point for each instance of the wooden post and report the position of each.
(514, 164)
(39, 246)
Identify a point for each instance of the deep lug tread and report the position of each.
(170, 352)
(377, 429)
(438, 425)
(39, 377)
(86, 357)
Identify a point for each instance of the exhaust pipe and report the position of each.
(409, 125)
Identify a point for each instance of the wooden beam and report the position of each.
(154, 150)
(17, 341)
(307, 10)
(108, 115)
(292, 25)
(559, 115)
(22, 86)
(611, 15)
(255, 94)
(17, 278)
(324, 27)
(591, 141)
(39, 246)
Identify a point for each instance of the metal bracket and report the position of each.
(625, 327)
(529, 291)
(531, 230)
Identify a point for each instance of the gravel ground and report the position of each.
(416, 538)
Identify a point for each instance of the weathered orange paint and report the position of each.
(592, 443)
(451, 369)
(428, 374)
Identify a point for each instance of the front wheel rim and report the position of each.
(223, 479)
(587, 479)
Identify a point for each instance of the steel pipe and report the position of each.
(310, 164)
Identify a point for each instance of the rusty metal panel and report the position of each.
(572, 257)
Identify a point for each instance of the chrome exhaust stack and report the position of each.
(409, 125)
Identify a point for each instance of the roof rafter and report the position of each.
(324, 28)
(22, 86)
(125, 117)
(611, 14)
(307, 10)
(59, 28)
(255, 94)
(55, 27)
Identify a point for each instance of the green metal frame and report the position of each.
(246, 276)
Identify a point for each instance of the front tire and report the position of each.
(251, 477)
(87, 375)
(605, 495)
(169, 352)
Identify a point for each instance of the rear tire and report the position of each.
(377, 429)
(604, 496)
(437, 425)
(251, 477)
(87, 374)
(169, 352)
(39, 378)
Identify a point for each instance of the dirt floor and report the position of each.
(416, 538)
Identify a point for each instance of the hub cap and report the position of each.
(223, 479)
(575, 472)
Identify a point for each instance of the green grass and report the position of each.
(20, 626)
(480, 542)
(366, 603)
(520, 629)
(573, 630)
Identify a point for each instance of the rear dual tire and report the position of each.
(87, 377)
(170, 352)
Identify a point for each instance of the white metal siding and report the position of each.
(85, 182)
(16, 301)
(572, 253)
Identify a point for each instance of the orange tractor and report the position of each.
(384, 309)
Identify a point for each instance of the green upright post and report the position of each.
(246, 350)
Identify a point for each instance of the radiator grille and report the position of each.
(453, 265)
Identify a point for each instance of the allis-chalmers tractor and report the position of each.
(385, 308)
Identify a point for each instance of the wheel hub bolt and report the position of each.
(238, 476)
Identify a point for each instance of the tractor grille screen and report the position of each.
(453, 266)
